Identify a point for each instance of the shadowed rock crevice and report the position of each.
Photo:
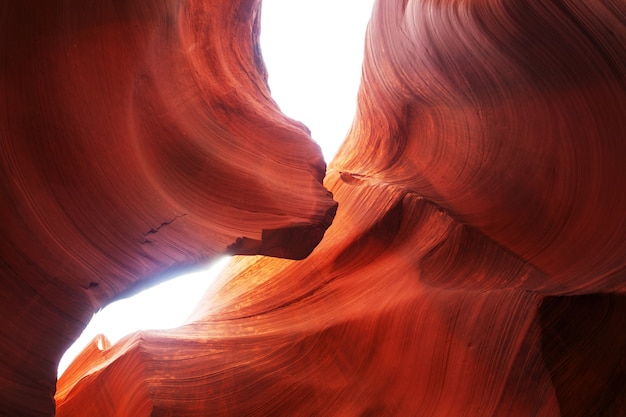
(583, 344)
(295, 242)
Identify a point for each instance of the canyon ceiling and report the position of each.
(464, 254)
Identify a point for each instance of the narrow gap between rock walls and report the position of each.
(165, 306)
(313, 52)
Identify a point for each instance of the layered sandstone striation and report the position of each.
(138, 139)
(476, 265)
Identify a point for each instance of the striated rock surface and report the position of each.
(137, 139)
(476, 266)
(353, 330)
(508, 115)
(370, 324)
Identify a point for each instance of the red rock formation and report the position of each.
(138, 139)
(509, 115)
(476, 266)
(352, 330)
(480, 195)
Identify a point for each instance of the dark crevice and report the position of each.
(583, 344)
(156, 229)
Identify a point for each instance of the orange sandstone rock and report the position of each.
(476, 266)
(138, 140)
(354, 329)
(509, 115)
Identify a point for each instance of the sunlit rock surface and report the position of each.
(137, 139)
(476, 266)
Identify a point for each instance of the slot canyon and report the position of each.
(463, 254)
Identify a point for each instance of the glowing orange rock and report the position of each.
(137, 140)
(509, 116)
(352, 330)
(481, 209)
(477, 264)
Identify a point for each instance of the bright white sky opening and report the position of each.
(313, 51)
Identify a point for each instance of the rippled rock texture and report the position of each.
(138, 139)
(477, 263)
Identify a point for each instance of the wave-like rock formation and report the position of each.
(476, 265)
(138, 139)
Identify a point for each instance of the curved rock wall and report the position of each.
(476, 266)
(508, 115)
(137, 140)
(352, 330)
